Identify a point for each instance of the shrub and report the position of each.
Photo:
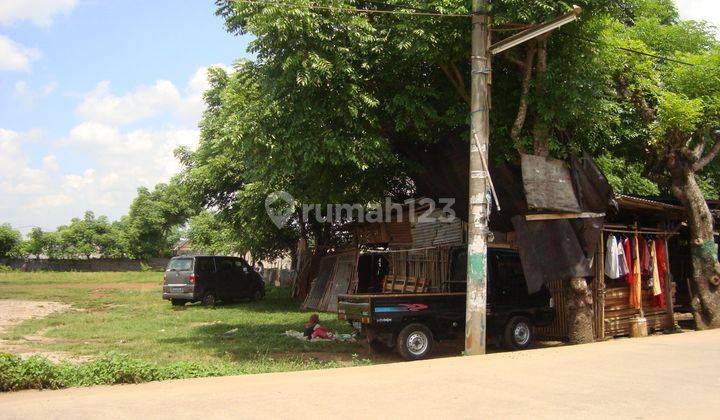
(115, 369)
(39, 373)
(33, 373)
(5, 269)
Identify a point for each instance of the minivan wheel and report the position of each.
(178, 302)
(209, 299)
(415, 342)
(258, 294)
(518, 333)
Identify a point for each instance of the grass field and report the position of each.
(124, 313)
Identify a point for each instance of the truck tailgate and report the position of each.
(353, 307)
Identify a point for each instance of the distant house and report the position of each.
(184, 247)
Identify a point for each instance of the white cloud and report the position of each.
(115, 158)
(100, 105)
(50, 201)
(39, 12)
(118, 163)
(16, 57)
(194, 104)
(708, 10)
(145, 102)
(50, 164)
(28, 96)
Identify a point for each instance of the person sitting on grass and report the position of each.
(313, 329)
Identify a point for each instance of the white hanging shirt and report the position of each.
(612, 268)
(623, 268)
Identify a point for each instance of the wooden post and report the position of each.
(668, 290)
(600, 287)
(642, 312)
(480, 202)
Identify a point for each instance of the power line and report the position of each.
(415, 12)
(630, 50)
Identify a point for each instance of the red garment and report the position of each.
(630, 278)
(644, 256)
(321, 332)
(659, 300)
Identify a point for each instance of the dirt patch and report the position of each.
(13, 312)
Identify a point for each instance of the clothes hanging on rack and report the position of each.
(656, 287)
(635, 284)
(612, 268)
(659, 299)
(628, 259)
(623, 267)
(645, 264)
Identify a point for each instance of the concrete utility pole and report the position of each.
(479, 211)
(480, 183)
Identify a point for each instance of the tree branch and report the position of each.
(699, 149)
(517, 126)
(710, 156)
(541, 131)
(458, 85)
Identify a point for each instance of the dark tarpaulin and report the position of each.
(562, 248)
(548, 184)
(555, 249)
(591, 186)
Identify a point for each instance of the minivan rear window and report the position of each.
(180, 264)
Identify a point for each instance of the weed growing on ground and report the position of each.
(39, 373)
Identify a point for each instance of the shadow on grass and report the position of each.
(244, 341)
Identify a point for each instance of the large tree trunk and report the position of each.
(706, 270)
(579, 305)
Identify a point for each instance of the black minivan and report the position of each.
(209, 279)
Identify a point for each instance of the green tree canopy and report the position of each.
(10, 239)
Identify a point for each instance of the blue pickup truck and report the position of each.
(411, 323)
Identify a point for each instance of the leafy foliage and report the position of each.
(37, 372)
(9, 240)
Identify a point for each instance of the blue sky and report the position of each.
(96, 94)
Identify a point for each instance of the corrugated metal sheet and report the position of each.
(433, 230)
(399, 233)
(630, 202)
(423, 234)
(449, 233)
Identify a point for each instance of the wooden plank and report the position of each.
(558, 216)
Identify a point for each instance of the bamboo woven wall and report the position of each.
(619, 314)
(558, 329)
(432, 265)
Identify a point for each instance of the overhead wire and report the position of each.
(414, 12)
(423, 12)
(630, 50)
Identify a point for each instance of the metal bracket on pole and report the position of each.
(487, 170)
(535, 31)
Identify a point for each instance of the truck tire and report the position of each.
(415, 342)
(258, 294)
(518, 333)
(209, 299)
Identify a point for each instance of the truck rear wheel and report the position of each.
(209, 299)
(415, 342)
(518, 333)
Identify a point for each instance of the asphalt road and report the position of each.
(655, 377)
